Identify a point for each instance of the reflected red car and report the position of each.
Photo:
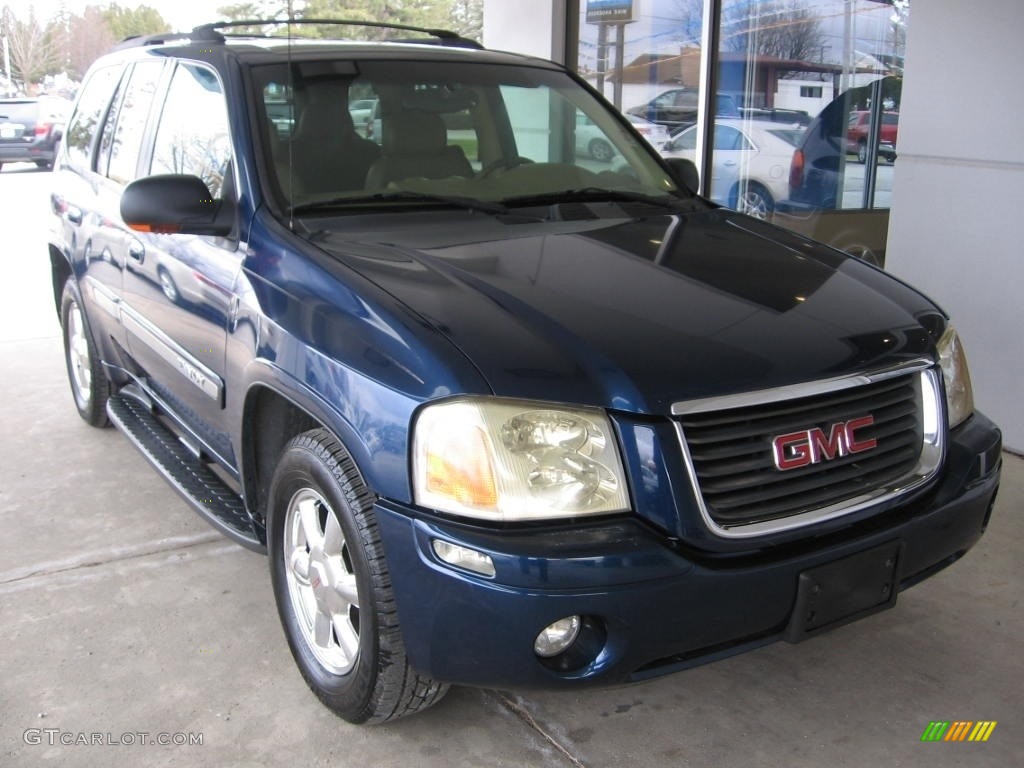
(857, 135)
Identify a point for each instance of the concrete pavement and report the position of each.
(122, 613)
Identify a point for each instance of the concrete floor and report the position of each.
(121, 612)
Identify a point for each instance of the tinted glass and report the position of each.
(194, 136)
(482, 132)
(92, 105)
(131, 121)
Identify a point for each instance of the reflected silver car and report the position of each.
(751, 162)
(591, 140)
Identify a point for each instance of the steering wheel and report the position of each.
(502, 163)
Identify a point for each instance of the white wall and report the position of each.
(532, 27)
(956, 228)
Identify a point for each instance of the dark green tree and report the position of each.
(133, 22)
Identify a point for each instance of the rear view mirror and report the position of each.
(684, 173)
(174, 204)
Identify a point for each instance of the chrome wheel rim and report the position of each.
(753, 204)
(168, 287)
(321, 582)
(79, 361)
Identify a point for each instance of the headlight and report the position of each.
(953, 361)
(506, 460)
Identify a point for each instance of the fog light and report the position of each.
(556, 637)
(463, 557)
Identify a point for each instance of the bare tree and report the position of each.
(690, 15)
(87, 38)
(786, 30)
(33, 52)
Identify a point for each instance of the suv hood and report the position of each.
(636, 312)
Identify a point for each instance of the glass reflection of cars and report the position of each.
(750, 162)
(591, 141)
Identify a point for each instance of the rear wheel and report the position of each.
(333, 589)
(89, 384)
(862, 152)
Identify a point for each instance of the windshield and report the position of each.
(349, 134)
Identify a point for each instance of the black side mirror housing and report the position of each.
(175, 204)
(684, 173)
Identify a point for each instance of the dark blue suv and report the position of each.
(499, 414)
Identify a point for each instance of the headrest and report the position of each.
(414, 133)
(325, 120)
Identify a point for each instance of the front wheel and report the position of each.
(89, 384)
(753, 199)
(862, 152)
(332, 586)
(600, 150)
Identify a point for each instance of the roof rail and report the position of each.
(212, 32)
(159, 38)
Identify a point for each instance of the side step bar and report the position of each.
(193, 479)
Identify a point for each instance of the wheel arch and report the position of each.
(60, 271)
(274, 413)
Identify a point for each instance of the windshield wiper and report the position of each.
(384, 198)
(594, 195)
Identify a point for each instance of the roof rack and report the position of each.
(211, 32)
(157, 39)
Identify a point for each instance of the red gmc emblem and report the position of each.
(812, 446)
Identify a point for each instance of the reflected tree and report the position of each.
(786, 30)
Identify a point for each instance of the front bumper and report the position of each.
(652, 605)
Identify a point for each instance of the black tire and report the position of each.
(600, 150)
(316, 480)
(862, 152)
(90, 387)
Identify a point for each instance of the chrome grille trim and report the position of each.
(932, 423)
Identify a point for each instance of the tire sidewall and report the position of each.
(92, 410)
(350, 694)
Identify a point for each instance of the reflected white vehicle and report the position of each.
(591, 140)
(361, 111)
(751, 162)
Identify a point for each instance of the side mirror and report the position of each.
(684, 173)
(175, 204)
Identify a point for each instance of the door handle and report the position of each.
(136, 250)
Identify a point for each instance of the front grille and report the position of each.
(733, 462)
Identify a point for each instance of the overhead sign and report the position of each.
(609, 11)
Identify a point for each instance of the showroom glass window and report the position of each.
(644, 56)
(834, 69)
(813, 86)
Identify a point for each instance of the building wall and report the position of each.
(531, 27)
(954, 229)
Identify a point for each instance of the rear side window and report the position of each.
(23, 112)
(193, 136)
(80, 136)
(131, 121)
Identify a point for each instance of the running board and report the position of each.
(187, 474)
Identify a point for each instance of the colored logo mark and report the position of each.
(958, 730)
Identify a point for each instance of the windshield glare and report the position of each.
(337, 130)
